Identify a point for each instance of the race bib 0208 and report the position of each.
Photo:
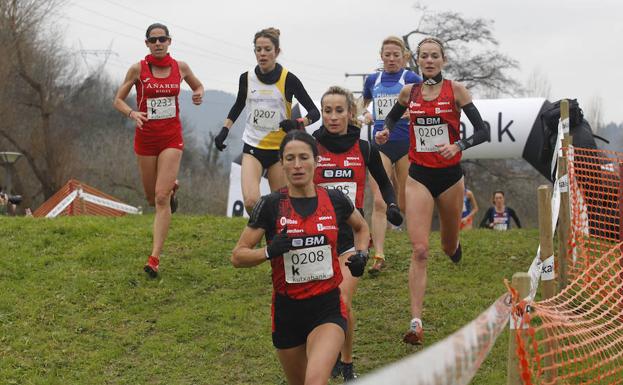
(161, 108)
(384, 104)
(266, 119)
(348, 188)
(308, 264)
(429, 133)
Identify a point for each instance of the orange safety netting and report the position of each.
(576, 337)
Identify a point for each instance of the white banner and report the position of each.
(453, 360)
(62, 205)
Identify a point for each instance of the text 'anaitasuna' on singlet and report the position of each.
(267, 106)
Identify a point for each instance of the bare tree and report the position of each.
(593, 113)
(473, 56)
(35, 85)
(538, 85)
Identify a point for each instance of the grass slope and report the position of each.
(76, 308)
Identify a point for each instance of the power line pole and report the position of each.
(363, 81)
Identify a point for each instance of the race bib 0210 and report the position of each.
(384, 104)
(308, 264)
(161, 108)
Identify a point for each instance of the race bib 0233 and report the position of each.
(161, 108)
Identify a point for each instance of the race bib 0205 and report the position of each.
(384, 104)
(429, 133)
(267, 119)
(308, 264)
(348, 188)
(161, 108)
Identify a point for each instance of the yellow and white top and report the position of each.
(267, 106)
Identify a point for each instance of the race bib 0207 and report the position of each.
(429, 133)
(308, 264)
(384, 104)
(161, 108)
(348, 188)
(267, 119)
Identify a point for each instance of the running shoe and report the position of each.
(348, 372)
(174, 202)
(415, 335)
(151, 267)
(456, 257)
(337, 368)
(378, 265)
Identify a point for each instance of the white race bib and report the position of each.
(161, 108)
(267, 119)
(383, 104)
(428, 137)
(308, 264)
(348, 188)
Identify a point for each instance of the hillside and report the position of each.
(77, 309)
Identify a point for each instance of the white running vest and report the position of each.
(267, 107)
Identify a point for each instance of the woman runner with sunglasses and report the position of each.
(435, 174)
(267, 91)
(300, 222)
(158, 141)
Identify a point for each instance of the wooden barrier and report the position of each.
(564, 215)
(521, 283)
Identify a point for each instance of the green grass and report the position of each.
(76, 308)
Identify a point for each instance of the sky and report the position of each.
(575, 45)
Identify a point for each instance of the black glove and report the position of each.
(280, 245)
(219, 140)
(393, 215)
(357, 263)
(292, 124)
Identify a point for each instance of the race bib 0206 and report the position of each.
(429, 133)
(348, 188)
(161, 108)
(266, 119)
(308, 264)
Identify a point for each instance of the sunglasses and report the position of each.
(161, 39)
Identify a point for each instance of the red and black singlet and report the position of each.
(431, 123)
(345, 171)
(312, 267)
(158, 97)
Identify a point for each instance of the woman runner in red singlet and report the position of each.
(300, 222)
(158, 141)
(435, 174)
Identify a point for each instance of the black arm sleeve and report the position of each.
(241, 99)
(394, 115)
(481, 130)
(486, 219)
(375, 165)
(513, 215)
(295, 87)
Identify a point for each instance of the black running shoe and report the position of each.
(337, 368)
(456, 257)
(348, 371)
